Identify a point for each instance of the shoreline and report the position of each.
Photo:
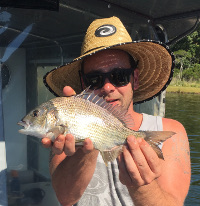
(182, 89)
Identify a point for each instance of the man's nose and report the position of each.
(107, 87)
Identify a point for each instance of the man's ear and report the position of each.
(136, 79)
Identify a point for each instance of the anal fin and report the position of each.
(79, 142)
(111, 155)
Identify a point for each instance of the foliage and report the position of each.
(187, 53)
(176, 82)
(192, 73)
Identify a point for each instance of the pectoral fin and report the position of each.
(56, 131)
(111, 155)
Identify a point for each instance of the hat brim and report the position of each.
(156, 66)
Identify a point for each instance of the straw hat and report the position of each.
(155, 65)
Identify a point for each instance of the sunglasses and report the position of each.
(117, 77)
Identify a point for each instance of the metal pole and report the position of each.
(3, 165)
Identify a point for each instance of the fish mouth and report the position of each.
(23, 124)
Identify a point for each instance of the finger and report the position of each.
(139, 159)
(132, 168)
(47, 143)
(68, 91)
(58, 144)
(122, 170)
(87, 146)
(152, 158)
(123, 174)
(69, 145)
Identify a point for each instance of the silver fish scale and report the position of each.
(85, 119)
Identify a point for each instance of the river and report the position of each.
(186, 109)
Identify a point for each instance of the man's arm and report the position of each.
(152, 181)
(71, 168)
(72, 174)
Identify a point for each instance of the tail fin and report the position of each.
(156, 138)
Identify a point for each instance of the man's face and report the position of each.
(105, 61)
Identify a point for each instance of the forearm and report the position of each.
(152, 195)
(71, 177)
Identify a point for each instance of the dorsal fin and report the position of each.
(116, 110)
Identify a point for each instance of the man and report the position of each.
(124, 73)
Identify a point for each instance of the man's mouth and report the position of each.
(112, 101)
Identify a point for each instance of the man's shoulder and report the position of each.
(172, 125)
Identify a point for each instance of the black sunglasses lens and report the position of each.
(120, 78)
(95, 82)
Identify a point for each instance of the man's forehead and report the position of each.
(110, 56)
(106, 60)
(107, 52)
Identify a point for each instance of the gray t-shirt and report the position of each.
(105, 189)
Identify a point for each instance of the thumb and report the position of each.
(68, 91)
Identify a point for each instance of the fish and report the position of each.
(88, 115)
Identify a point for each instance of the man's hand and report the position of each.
(71, 167)
(138, 164)
(151, 180)
(66, 143)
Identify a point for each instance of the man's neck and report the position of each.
(137, 118)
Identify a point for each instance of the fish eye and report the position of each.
(35, 113)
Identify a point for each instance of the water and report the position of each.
(186, 109)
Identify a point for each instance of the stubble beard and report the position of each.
(129, 102)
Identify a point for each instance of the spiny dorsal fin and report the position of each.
(116, 110)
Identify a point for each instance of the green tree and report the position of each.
(190, 43)
(187, 54)
(182, 61)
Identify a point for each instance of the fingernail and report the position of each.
(59, 139)
(85, 143)
(69, 138)
(131, 139)
(139, 140)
